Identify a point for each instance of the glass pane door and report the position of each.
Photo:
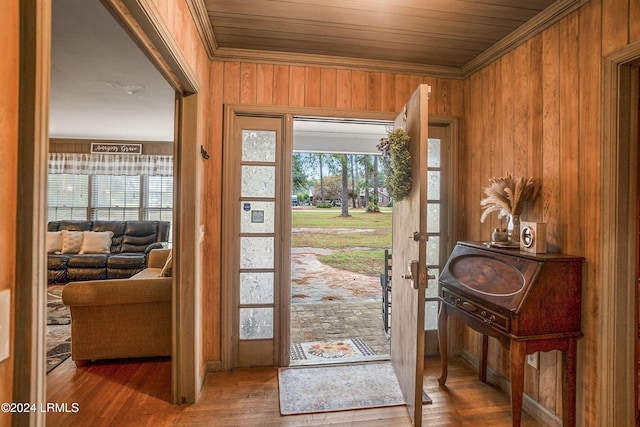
(253, 187)
(437, 229)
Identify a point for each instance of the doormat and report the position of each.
(336, 350)
(58, 328)
(338, 388)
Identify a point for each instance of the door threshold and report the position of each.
(376, 358)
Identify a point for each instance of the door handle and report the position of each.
(413, 273)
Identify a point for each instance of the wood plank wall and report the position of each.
(536, 112)
(178, 19)
(9, 104)
(336, 89)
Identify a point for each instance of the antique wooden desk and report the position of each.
(529, 302)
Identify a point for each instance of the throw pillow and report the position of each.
(96, 242)
(54, 242)
(71, 241)
(167, 270)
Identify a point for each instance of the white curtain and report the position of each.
(110, 164)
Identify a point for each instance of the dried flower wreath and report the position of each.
(396, 160)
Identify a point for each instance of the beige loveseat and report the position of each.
(121, 318)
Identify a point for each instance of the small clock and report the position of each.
(533, 237)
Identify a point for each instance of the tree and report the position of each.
(342, 182)
(299, 180)
(354, 178)
(376, 184)
(320, 156)
(333, 187)
(365, 161)
(342, 158)
(339, 164)
(313, 165)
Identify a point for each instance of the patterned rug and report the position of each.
(347, 350)
(58, 328)
(338, 388)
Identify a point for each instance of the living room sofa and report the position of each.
(122, 318)
(124, 255)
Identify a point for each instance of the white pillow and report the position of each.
(96, 242)
(71, 241)
(54, 242)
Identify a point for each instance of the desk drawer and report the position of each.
(476, 309)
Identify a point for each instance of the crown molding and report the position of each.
(200, 16)
(231, 54)
(534, 26)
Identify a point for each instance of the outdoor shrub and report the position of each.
(373, 207)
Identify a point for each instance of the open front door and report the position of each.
(409, 275)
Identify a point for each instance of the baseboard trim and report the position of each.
(529, 405)
(213, 366)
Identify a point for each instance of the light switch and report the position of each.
(5, 323)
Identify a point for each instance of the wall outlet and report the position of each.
(5, 323)
(534, 360)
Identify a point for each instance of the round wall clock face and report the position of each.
(527, 236)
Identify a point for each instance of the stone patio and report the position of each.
(340, 320)
(332, 304)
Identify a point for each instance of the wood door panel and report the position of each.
(409, 216)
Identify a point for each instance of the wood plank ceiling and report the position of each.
(433, 33)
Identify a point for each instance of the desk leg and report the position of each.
(483, 358)
(518, 356)
(569, 385)
(442, 341)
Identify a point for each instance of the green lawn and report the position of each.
(368, 255)
(330, 218)
(377, 239)
(369, 262)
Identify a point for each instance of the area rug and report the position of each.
(338, 388)
(346, 350)
(58, 328)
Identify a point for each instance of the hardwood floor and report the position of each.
(137, 393)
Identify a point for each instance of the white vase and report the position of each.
(513, 229)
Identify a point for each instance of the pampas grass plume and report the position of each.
(508, 195)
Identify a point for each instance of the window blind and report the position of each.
(67, 197)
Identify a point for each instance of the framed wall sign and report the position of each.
(115, 148)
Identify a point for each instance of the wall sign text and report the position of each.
(109, 148)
